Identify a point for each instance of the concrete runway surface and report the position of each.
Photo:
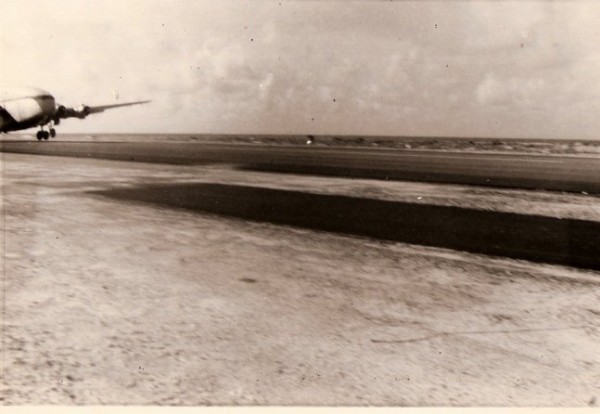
(211, 284)
(550, 172)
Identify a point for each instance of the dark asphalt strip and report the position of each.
(572, 174)
(536, 238)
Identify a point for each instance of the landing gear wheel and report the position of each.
(45, 135)
(39, 135)
(52, 132)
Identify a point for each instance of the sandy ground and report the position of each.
(107, 302)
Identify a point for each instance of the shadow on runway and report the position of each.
(536, 238)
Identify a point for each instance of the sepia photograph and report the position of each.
(300, 203)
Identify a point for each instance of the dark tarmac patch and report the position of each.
(542, 239)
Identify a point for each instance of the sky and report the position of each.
(525, 69)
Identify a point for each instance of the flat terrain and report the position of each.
(137, 283)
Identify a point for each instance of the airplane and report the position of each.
(23, 108)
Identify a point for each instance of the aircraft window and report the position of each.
(45, 97)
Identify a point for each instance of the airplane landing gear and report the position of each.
(43, 135)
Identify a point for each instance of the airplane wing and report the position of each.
(84, 110)
(96, 109)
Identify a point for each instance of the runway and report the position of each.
(550, 172)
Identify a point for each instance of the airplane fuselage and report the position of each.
(23, 108)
